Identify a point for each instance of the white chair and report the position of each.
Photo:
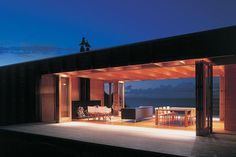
(108, 112)
(101, 112)
(192, 116)
(164, 108)
(92, 112)
(168, 107)
(161, 115)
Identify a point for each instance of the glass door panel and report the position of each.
(65, 103)
(203, 98)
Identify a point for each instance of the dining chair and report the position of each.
(90, 111)
(101, 112)
(107, 112)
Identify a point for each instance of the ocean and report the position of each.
(173, 102)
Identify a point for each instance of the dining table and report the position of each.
(186, 110)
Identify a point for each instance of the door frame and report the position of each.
(59, 98)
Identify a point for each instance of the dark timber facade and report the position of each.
(19, 83)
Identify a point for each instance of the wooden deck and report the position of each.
(218, 126)
(162, 140)
(148, 123)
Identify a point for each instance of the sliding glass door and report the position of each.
(64, 99)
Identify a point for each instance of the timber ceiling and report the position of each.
(152, 71)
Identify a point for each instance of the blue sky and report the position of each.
(28, 26)
(34, 29)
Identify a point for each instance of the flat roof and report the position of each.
(217, 45)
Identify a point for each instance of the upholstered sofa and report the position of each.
(137, 113)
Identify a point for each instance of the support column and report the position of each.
(110, 95)
(121, 94)
(116, 105)
(118, 97)
(222, 98)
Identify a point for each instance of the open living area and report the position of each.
(98, 96)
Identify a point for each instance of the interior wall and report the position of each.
(97, 90)
(230, 97)
(75, 87)
(47, 98)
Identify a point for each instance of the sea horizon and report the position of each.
(172, 102)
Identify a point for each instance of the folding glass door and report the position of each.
(203, 98)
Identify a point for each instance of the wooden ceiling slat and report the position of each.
(144, 72)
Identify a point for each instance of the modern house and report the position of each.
(50, 90)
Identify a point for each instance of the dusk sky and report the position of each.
(34, 29)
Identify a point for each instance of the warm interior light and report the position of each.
(83, 75)
(100, 70)
(133, 131)
(116, 68)
(133, 67)
(158, 64)
(153, 75)
(183, 62)
(216, 119)
(63, 75)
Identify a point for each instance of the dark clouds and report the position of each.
(28, 51)
(180, 90)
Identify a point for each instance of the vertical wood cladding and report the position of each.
(75, 87)
(47, 98)
(230, 97)
(18, 94)
(97, 90)
(3, 96)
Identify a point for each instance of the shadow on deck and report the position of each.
(24, 144)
